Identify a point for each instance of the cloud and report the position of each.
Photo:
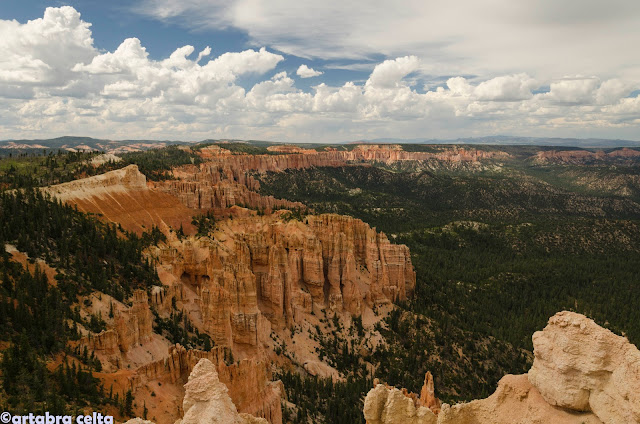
(127, 57)
(506, 88)
(55, 81)
(305, 72)
(128, 72)
(390, 73)
(612, 90)
(539, 37)
(43, 51)
(573, 90)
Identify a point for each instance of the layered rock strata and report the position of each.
(248, 381)
(222, 195)
(225, 180)
(123, 197)
(207, 400)
(582, 374)
(131, 327)
(260, 272)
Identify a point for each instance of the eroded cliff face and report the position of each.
(582, 374)
(226, 180)
(123, 197)
(222, 195)
(248, 383)
(134, 357)
(253, 275)
(207, 400)
(584, 156)
(129, 331)
(259, 273)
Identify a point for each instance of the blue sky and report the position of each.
(409, 69)
(115, 20)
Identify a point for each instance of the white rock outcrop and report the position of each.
(582, 374)
(388, 405)
(120, 180)
(515, 401)
(581, 366)
(207, 400)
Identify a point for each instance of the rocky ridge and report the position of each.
(582, 374)
(124, 197)
(225, 179)
(585, 156)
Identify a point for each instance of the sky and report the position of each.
(331, 71)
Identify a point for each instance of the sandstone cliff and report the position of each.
(133, 357)
(306, 158)
(122, 196)
(248, 381)
(262, 272)
(222, 195)
(207, 400)
(582, 374)
(583, 367)
(225, 180)
(128, 328)
(586, 156)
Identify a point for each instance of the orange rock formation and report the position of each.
(248, 381)
(225, 180)
(258, 273)
(123, 197)
(584, 156)
(131, 326)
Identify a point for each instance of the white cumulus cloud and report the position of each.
(55, 81)
(305, 72)
(390, 73)
(42, 52)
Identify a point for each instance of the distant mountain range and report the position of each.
(73, 143)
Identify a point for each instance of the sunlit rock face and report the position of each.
(207, 400)
(124, 197)
(581, 366)
(256, 273)
(582, 374)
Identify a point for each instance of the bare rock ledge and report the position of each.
(581, 374)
